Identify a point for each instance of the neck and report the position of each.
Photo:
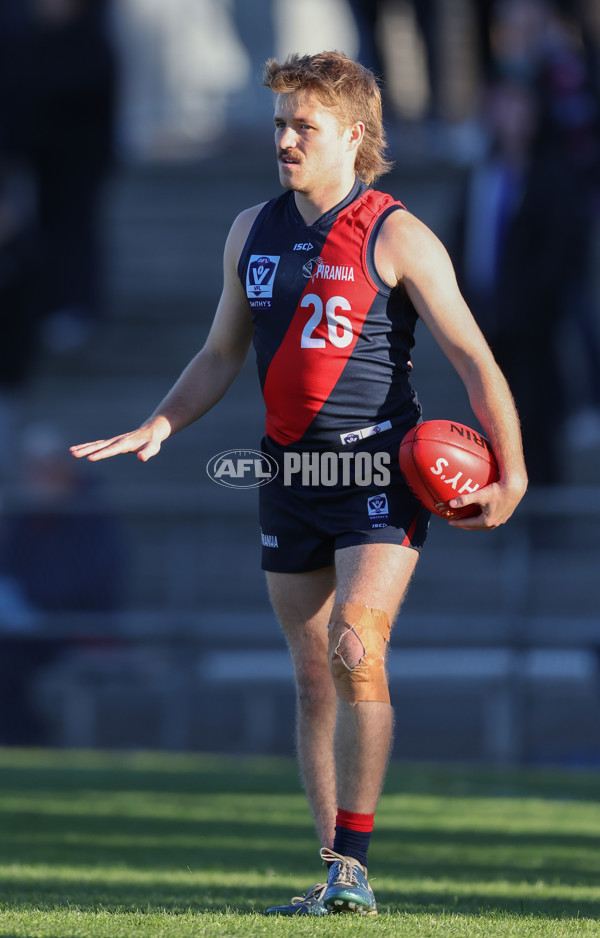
(313, 205)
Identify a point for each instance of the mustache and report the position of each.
(289, 155)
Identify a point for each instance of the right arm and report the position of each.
(209, 374)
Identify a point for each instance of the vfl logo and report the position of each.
(242, 468)
(260, 275)
(377, 506)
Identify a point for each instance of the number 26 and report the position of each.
(335, 322)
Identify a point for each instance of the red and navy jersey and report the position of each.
(332, 339)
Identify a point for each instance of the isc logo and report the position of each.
(242, 468)
(303, 246)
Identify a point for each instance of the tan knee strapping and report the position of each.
(366, 644)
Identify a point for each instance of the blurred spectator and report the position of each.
(58, 92)
(18, 314)
(523, 238)
(249, 107)
(62, 552)
(59, 552)
(180, 60)
(369, 17)
(559, 56)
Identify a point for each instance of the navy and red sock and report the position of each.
(353, 834)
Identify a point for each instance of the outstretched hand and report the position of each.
(145, 442)
(496, 501)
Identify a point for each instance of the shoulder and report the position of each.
(242, 224)
(405, 246)
(404, 229)
(240, 230)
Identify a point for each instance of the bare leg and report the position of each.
(342, 763)
(375, 575)
(303, 603)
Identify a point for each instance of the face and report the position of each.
(314, 153)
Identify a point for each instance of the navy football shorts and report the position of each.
(320, 502)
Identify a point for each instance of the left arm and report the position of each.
(407, 252)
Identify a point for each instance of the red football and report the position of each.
(441, 459)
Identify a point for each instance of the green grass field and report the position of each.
(95, 844)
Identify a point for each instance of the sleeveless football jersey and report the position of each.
(332, 339)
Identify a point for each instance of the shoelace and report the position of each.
(347, 868)
(314, 894)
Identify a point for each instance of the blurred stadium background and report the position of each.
(132, 609)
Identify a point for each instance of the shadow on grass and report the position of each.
(155, 896)
(63, 771)
(165, 843)
(247, 820)
(210, 775)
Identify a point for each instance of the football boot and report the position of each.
(309, 904)
(347, 889)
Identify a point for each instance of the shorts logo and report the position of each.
(268, 540)
(261, 275)
(377, 506)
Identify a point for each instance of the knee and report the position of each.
(350, 649)
(358, 639)
(314, 687)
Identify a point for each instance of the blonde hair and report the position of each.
(348, 89)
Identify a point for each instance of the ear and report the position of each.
(355, 133)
